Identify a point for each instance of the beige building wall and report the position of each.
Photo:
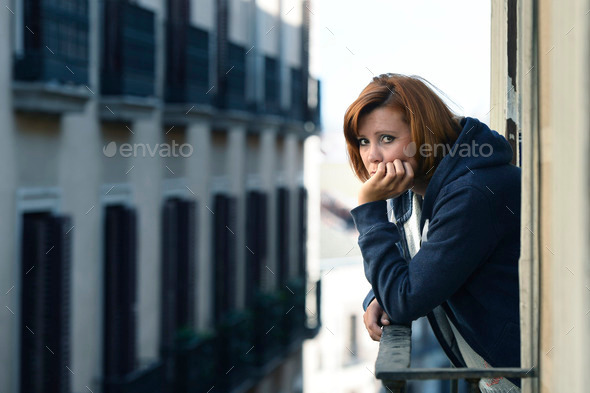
(551, 108)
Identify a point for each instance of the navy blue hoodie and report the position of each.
(469, 262)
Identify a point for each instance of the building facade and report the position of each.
(154, 195)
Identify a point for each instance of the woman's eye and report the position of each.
(363, 142)
(387, 138)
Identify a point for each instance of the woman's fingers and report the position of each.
(409, 174)
(372, 319)
(409, 170)
(390, 169)
(399, 168)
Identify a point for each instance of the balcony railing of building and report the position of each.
(272, 86)
(246, 345)
(145, 379)
(54, 42)
(50, 64)
(187, 68)
(128, 62)
(393, 365)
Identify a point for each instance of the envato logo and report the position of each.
(143, 150)
(462, 150)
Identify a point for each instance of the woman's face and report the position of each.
(385, 137)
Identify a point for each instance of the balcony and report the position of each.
(272, 85)
(187, 73)
(193, 362)
(234, 97)
(393, 365)
(128, 60)
(298, 100)
(247, 344)
(305, 100)
(51, 57)
(148, 379)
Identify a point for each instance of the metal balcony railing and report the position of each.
(298, 101)
(233, 94)
(393, 365)
(187, 69)
(246, 346)
(55, 42)
(128, 66)
(192, 363)
(272, 85)
(148, 379)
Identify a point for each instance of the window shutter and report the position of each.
(302, 218)
(224, 257)
(176, 43)
(120, 291)
(45, 303)
(169, 275)
(256, 242)
(222, 51)
(283, 227)
(178, 267)
(186, 264)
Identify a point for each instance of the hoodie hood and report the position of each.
(476, 147)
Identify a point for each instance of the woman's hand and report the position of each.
(374, 318)
(389, 181)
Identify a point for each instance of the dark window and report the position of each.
(272, 103)
(256, 242)
(224, 255)
(120, 288)
(302, 233)
(178, 267)
(45, 303)
(187, 60)
(298, 100)
(128, 56)
(283, 229)
(236, 77)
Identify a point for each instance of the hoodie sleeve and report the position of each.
(461, 236)
(368, 299)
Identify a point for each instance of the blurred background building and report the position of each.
(154, 196)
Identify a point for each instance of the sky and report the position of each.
(447, 43)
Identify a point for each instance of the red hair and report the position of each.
(430, 120)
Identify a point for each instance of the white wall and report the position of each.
(203, 14)
(292, 19)
(239, 22)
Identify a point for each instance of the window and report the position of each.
(178, 267)
(302, 232)
(45, 303)
(256, 243)
(283, 230)
(120, 288)
(51, 41)
(224, 255)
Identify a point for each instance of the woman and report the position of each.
(451, 252)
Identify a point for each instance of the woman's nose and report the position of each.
(375, 154)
